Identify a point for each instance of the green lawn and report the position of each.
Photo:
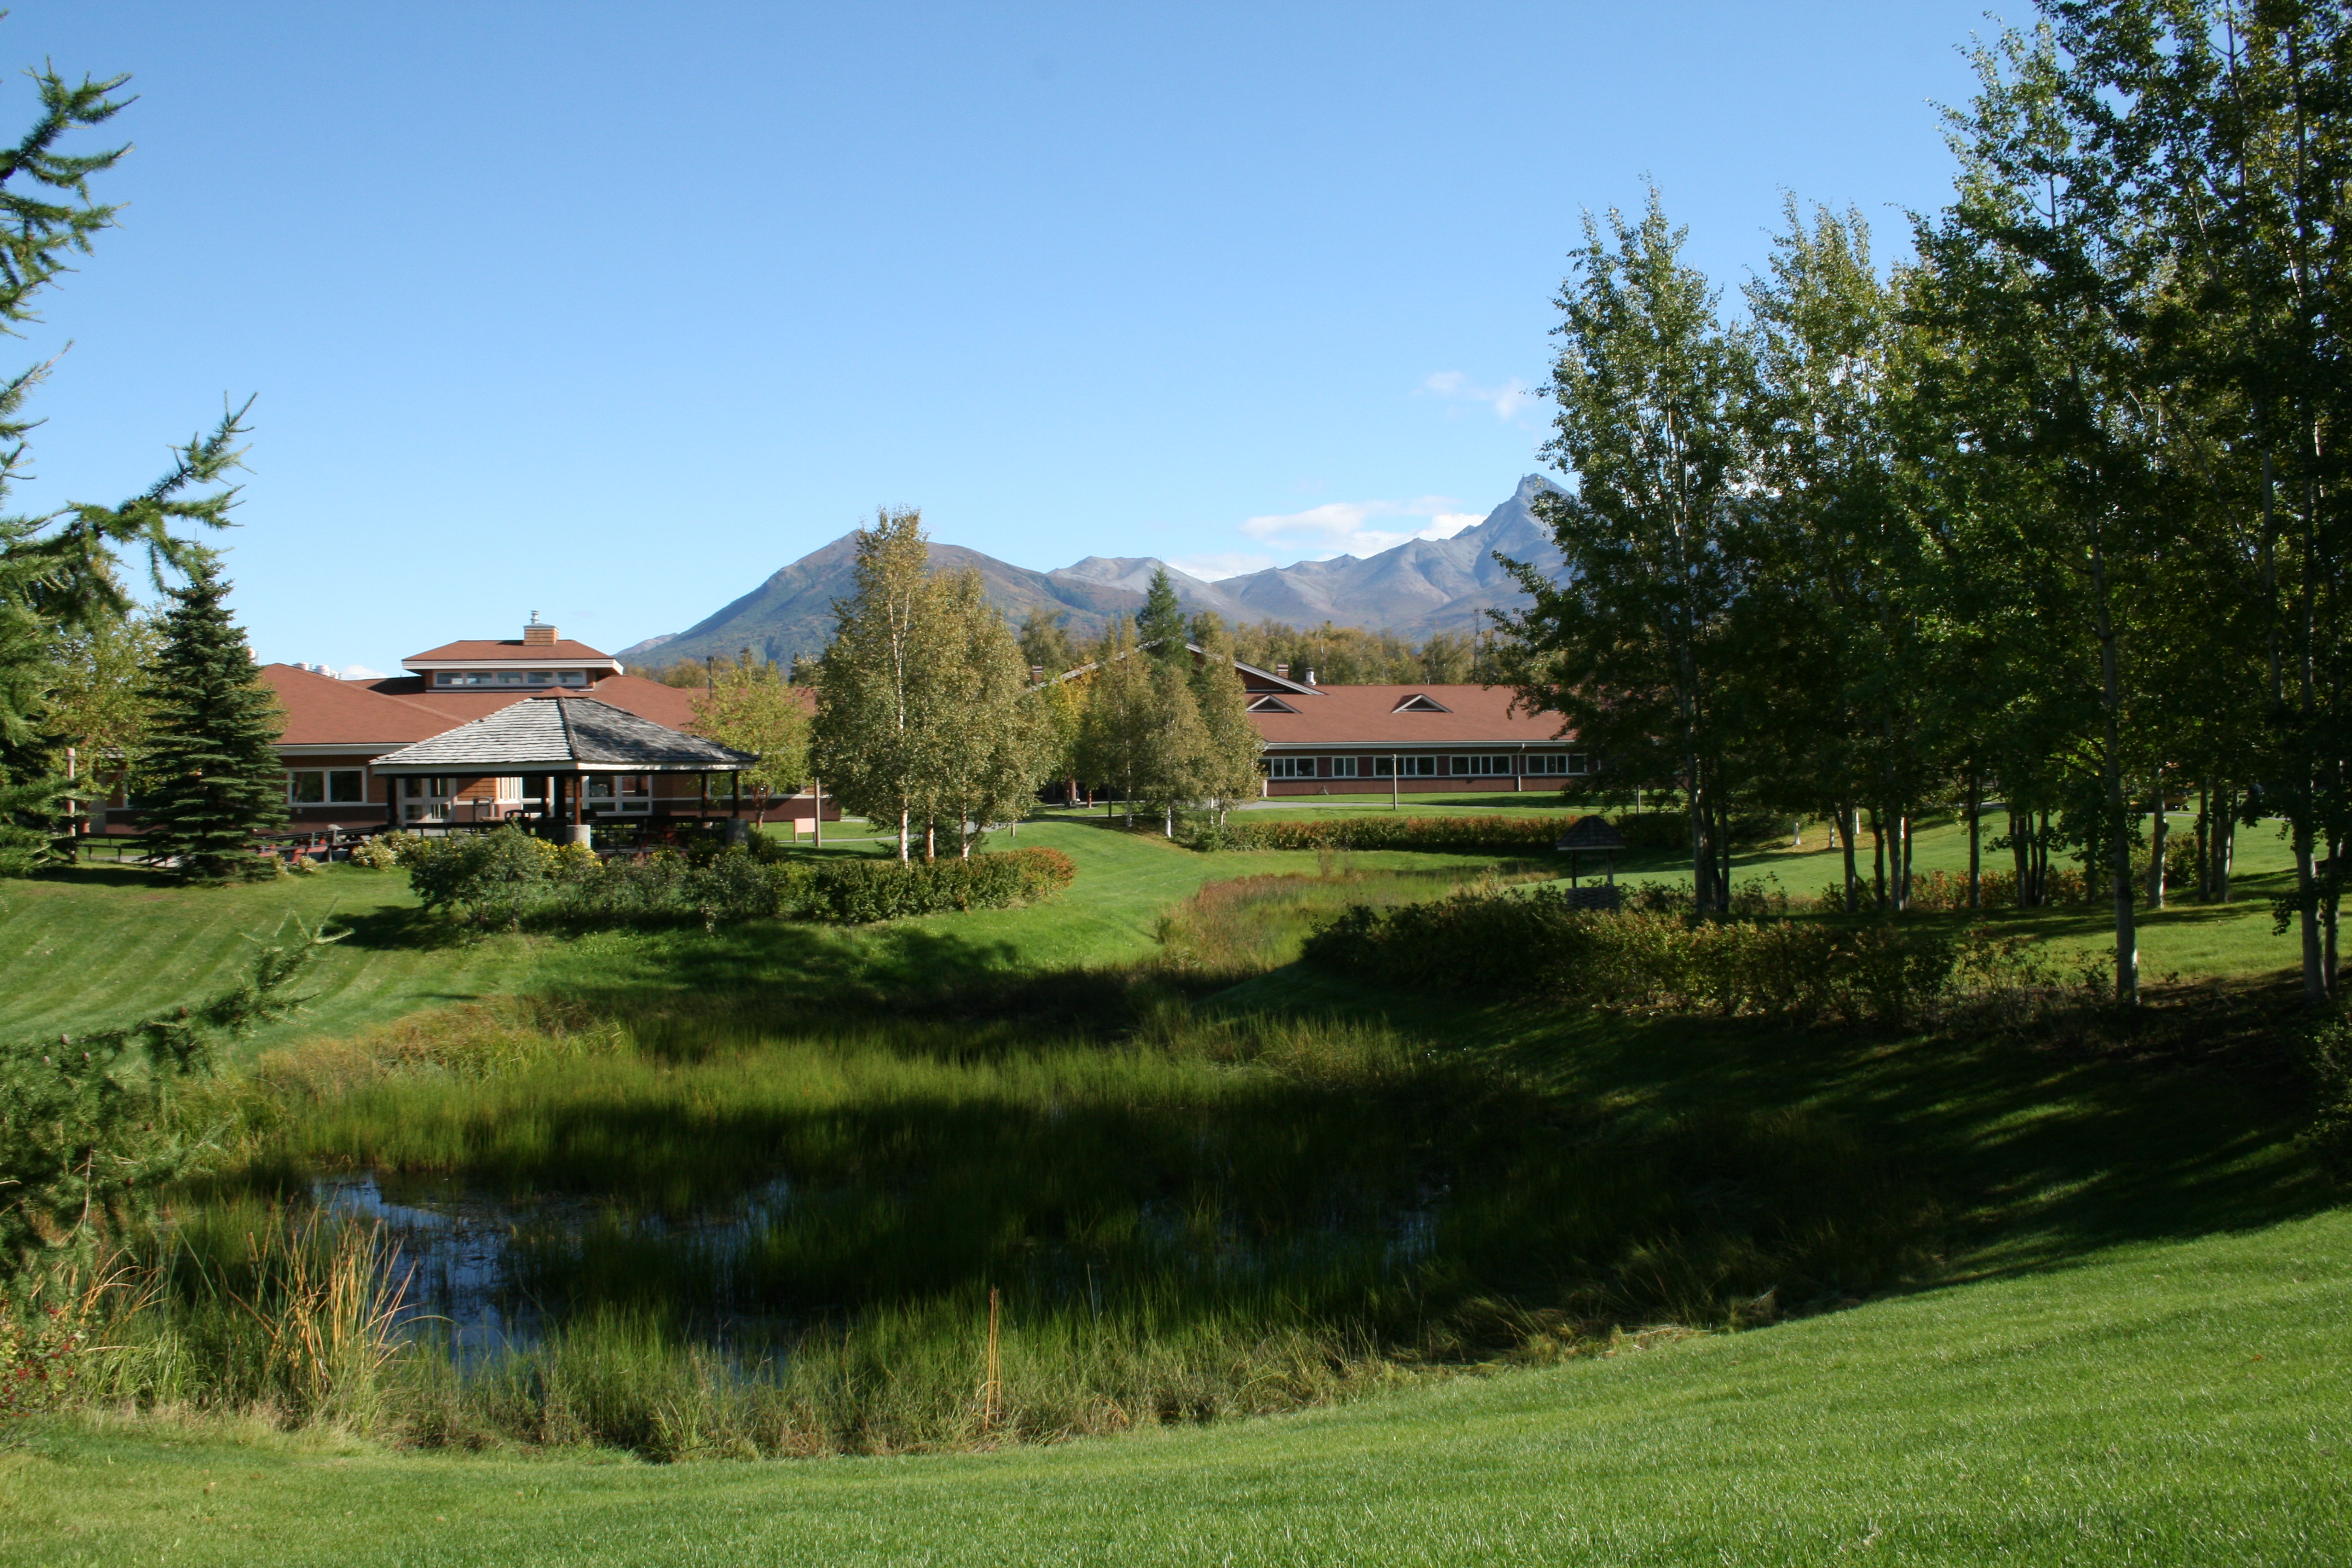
(2186, 1402)
(2136, 1350)
(102, 944)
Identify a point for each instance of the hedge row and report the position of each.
(1469, 834)
(1499, 942)
(508, 876)
(1497, 835)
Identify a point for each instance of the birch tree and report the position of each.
(1634, 646)
(1115, 740)
(879, 700)
(1229, 745)
(997, 746)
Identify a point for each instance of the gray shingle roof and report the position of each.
(564, 734)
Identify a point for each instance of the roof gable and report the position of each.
(1421, 702)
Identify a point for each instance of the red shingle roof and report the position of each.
(1368, 716)
(323, 711)
(510, 650)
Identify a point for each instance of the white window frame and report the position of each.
(623, 795)
(1343, 767)
(1557, 764)
(1290, 767)
(1404, 767)
(426, 799)
(326, 777)
(1489, 765)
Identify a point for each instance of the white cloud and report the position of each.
(358, 672)
(1344, 528)
(1508, 401)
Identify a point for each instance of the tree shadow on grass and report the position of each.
(2040, 1146)
(101, 874)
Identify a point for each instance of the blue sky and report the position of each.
(608, 312)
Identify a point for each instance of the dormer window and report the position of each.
(1418, 703)
(1271, 705)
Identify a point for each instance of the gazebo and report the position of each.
(1592, 835)
(559, 738)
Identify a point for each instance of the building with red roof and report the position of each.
(1320, 740)
(336, 729)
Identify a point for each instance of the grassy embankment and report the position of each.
(1814, 1160)
(2175, 1402)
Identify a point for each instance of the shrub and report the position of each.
(1497, 942)
(505, 877)
(854, 892)
(491, 877)
(383, 852)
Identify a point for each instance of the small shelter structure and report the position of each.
(582, 750)
(1592, 835)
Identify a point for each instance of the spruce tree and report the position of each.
(57, 569)
(1160, 625)
(212, 758)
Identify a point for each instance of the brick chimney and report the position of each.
(1283, 670)
(538, 633)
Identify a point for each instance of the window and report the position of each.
(464, 678)
(1404, 767)
(426, 799)
(1343, 767)
(1483, 767)
(575, 677)
(1418, 703)
(618, 791)
(1290, 767)
(1556, 764)
(323, 786)
(1271, 705)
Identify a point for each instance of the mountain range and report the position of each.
(1421, 586)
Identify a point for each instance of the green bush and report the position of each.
(507, 877)
(854, 892)
(383, 852)
(491, 878)
(1496, 942)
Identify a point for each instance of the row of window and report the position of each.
(1540, 765)
(324, 786)
(512, 677)
(428, 798)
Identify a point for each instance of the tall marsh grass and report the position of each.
(730, 1224)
